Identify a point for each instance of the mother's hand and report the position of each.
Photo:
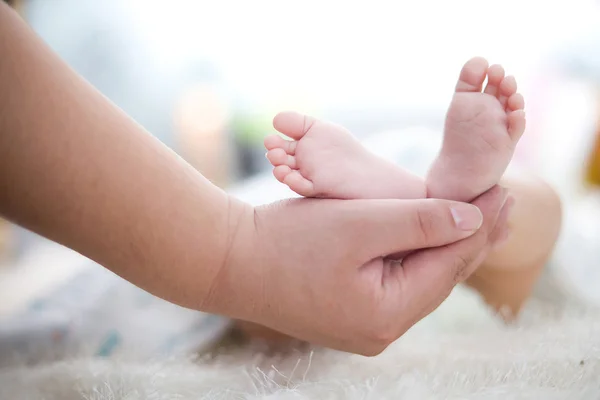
(313, 269)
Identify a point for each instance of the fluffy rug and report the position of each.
(459, 352)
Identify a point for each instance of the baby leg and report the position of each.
(509, 274)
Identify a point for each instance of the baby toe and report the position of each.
(507, 88)
(272, 141)
(495, 76)
(280, 172)
(516, 102)
(299, 184)
(278, 156)
(516, 124)
(275, 141)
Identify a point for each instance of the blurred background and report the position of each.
(207, 77)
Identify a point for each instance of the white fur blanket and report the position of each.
(459, 352)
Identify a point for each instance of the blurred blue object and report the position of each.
(100, 41)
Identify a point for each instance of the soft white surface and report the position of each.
(459, 352)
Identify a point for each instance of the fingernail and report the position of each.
(466, 217)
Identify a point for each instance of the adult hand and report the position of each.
(316, 269)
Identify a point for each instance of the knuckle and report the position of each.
(467, 258)
(425, 225)
(465, 261)
(461, 268)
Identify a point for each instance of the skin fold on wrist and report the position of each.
(237, 271)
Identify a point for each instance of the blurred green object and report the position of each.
(250, 129)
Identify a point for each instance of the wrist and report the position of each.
(230, 291)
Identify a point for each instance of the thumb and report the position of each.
(391, 226)
(428, 276)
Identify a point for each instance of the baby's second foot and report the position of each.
(480, 135)
(325, 160)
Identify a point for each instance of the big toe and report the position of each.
(293, 124)
(472, 75)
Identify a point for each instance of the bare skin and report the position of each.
(76, 169)
(482, 129)
(481, 132)
(511, 270)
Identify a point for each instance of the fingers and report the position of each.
(428, 276)
(392, 226)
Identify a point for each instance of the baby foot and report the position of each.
(480, 135)
(325, 160)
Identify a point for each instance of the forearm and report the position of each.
(77, 170)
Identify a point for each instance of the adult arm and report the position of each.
(76, 169)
